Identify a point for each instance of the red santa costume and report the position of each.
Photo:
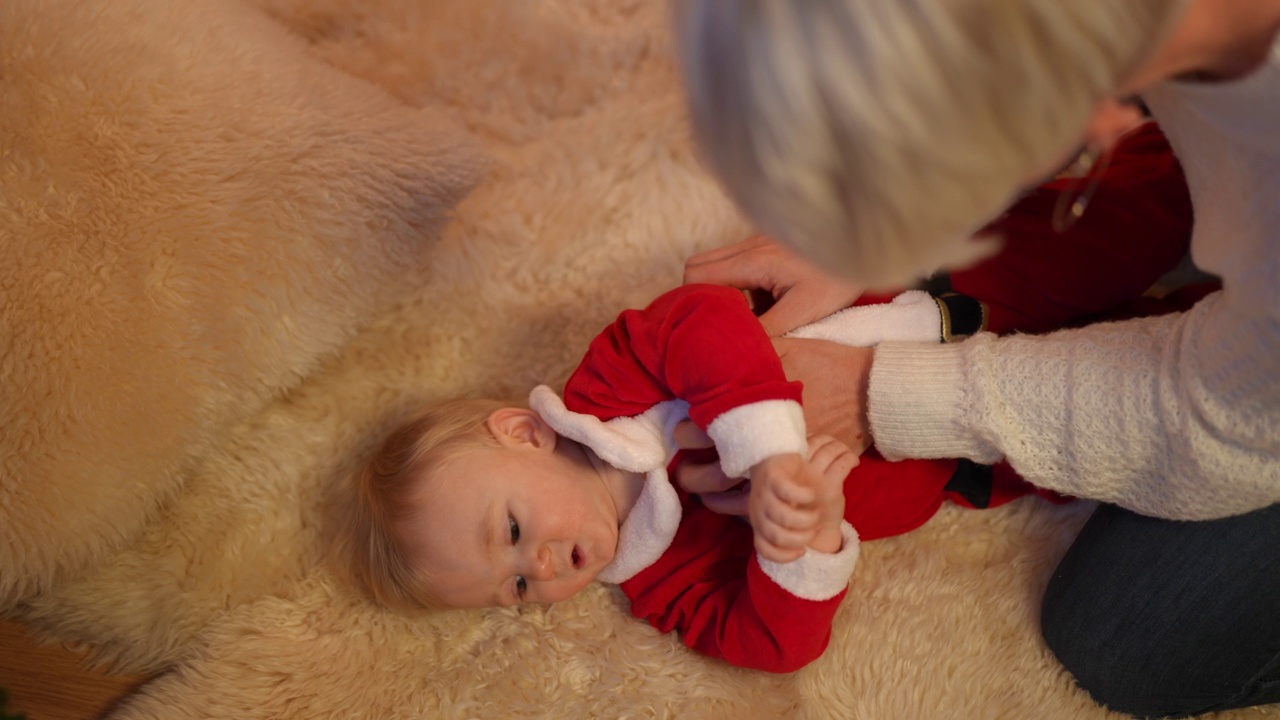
(698, 352)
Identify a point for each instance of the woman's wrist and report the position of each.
(916, 392)
(862, 379)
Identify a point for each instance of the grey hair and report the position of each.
(876, 136)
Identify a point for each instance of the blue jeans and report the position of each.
(1157, 618)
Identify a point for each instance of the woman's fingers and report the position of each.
(704, 478)
(734, 502)
(689, 436)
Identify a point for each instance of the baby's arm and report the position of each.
(726, 602)
(729, 602)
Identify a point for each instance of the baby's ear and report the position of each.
(515, 427)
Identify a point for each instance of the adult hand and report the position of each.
(802, 291)
(719, 492)
(835, 381)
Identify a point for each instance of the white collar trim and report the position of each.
(641, 443)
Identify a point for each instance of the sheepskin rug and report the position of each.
(240, 240)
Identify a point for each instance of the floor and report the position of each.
(48, 683)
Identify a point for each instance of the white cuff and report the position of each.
(750, 433)
(912, 316)
(815, 575)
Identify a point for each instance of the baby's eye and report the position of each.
(515, 529)
(521, 586)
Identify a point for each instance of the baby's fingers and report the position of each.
(790, 517)
(783, 539)
(769, 551)
(791, 492)
(829, 456)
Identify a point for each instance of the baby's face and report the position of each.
(500, 526)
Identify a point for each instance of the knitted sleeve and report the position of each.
(1175, 416)
(1172, 416)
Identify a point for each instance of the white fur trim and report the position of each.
(648, 530)
(817, 576)
(912, 316)
(750, 433)
(640, 443)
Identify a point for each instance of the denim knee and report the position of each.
(1130, 664)
(1073, 632)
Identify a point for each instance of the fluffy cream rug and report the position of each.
(224, 276)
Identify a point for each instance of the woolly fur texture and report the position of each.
(225, 271)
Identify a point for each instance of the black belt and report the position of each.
(973, 482)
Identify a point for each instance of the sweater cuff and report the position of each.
(748, 434)
(914, 401)
(816, 575)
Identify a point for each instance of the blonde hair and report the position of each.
(877, 135)
(387, 493)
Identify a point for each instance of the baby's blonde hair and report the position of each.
(387, 493)
(877, 135)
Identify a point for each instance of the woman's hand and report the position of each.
(835, 403)
(835, 381)
(719, 492)
(803, 292)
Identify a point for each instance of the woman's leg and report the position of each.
(1159, 618)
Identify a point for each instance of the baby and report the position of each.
(478, 503)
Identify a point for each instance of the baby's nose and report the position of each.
(544, 564)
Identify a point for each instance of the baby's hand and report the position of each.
(832, 460)
(797, 503)
(781, 507)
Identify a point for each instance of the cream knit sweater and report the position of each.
(1176, 416)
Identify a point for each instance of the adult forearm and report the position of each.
(914, 398)
(1175, 416)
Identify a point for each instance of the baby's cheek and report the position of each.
(567, 590)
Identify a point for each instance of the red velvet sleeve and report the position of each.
(709, 586)
(698, 343)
